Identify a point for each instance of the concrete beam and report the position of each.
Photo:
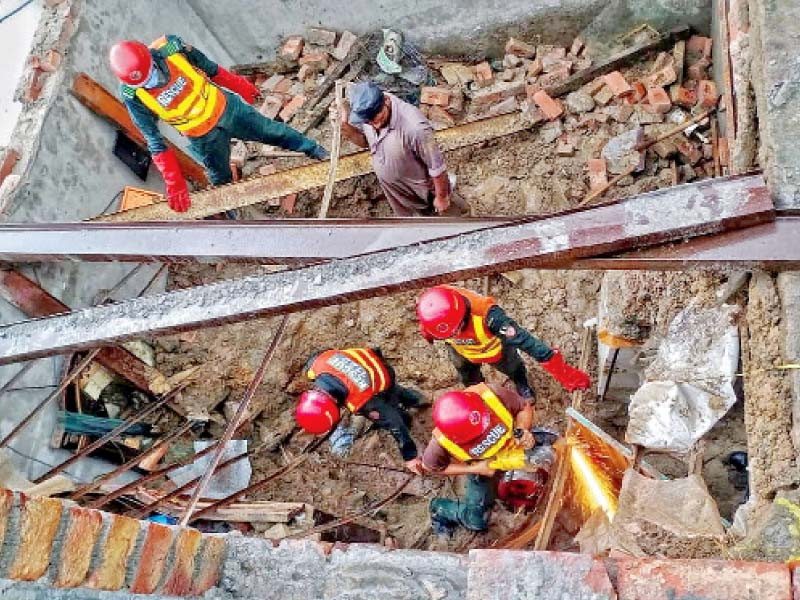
(674, 213)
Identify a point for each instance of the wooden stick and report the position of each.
(611, 183)
(715, 148)
(554, 501)
(244, 405)
(335, 148)
(583, 364)
(675, 130)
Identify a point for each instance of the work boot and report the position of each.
(444, 516)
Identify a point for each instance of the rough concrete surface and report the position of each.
(789, 290)
(300, 570)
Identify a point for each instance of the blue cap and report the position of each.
(366, 101)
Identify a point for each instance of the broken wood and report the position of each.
(607, 186)
(35, 302)
(727, 74)
(617, 62)
(270, 67)
(709, 206)
(237, 419)
(715, 148)
(310, 176)
(336, 147)
(314, 117)
(583, 363)
(95, 97)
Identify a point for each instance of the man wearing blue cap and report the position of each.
(405, 155)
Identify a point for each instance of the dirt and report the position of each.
(519, 174)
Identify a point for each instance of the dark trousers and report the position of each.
(243, 122)
(472, 512)
(510, 364)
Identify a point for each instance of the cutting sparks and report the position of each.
(592, 486)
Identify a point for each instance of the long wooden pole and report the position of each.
(335, 150)
(244, 405)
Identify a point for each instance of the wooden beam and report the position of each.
(95, 97)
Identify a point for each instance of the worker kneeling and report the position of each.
(480, 432)
(361, 380)
(180, 85)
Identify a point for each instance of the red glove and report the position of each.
(177, 192)
(571, 378)
(236, 83)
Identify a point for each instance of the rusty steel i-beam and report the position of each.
(671, 214)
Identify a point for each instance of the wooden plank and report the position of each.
(727, 73)
(95, 97)
(705, 207)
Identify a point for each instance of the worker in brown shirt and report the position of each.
(478, 432)
(405, 155)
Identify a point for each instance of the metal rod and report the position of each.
(259, 485)
(110, 293)
(148, 508)
(244, 405)
(62, 386)
(608, 377)
(17, 376)
(108, 436)
(90, 487)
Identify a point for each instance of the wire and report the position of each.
(15, 11)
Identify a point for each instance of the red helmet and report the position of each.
(316, 412)
(461, 416)
(441, 311)
(131, 62)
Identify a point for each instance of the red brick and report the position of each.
(439, 96)
(6, 502)
(699, 70)
(483, 74)
(689, 151)
(38, 527)
(553, 77)
(291, 108)
(707, 93)
(210, 568)
(550, 64)
(659, 100)
(121, 539)
(292, 48)
(76, 550)
(639, 92)
(724, 152)
(271, 106)
(10, 159)
(653, 579)
(535, 68)
(321, 37)
(288, 202)
(440, 118)
(699, 46)
(155, 551)
(346, 42)
(663, 77)
(48, 63)
(520, 48)
(617, 83)
(551, 107)
(682, 96)
(598, 174)
(317, 60)
(34, 85)
(259, 80)
(179, 580)
(552, 52)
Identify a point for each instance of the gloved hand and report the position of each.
(236, 83)
(177, 192)
(319, 153)
(571, 378)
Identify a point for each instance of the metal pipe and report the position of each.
(54, 394)
(610, 373)
(244, 405)
(90, 487)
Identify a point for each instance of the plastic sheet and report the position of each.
(226, 481)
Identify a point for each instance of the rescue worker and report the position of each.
(479, 332)
(178, 84)
(405, 155)
(479, 432)
(361, 380)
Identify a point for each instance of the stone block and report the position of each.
(76, 550)
(653, 579)
(659, 100)
(39, 523)
(210, 565)
(439, 96)
(153, 559)
(520, 48)
(291, 108)
(551, 107)
(504, 107)
(617, 84)
(179, 579)
(119, 544)
(621, 153)
(320, 37)
(679, 59)
(292, 48)
(604, 96)
(346, 43)
(579, 102)
(525, 575)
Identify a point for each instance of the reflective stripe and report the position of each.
(500, 411)
(487, 346)
(196, 113)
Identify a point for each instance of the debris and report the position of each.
(439, 96)
(604, 96)
(346, 43)
(621, 151)
(225, 481)
(291, 108)
(320, 37)
(483, 74)
(292, 48)
(617, 84)
(511, 61)
(535, 68)
(565, 148)
(689, 385)
(520, 48)
(707, 95)
(659, 100)
(598, 176)
(551, 107)
(579, 102)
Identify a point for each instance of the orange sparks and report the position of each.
(592, 487)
